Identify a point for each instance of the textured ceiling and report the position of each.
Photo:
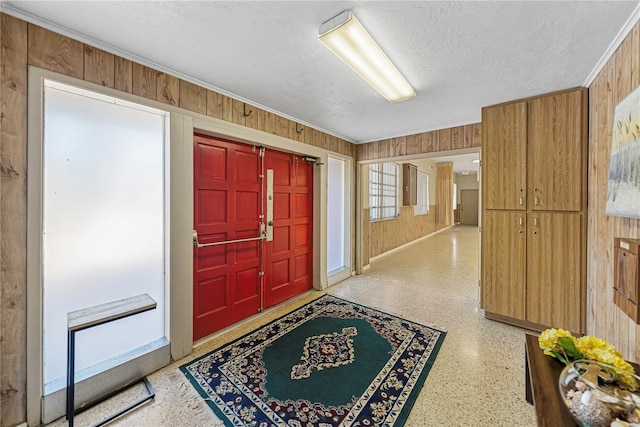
(459, 56)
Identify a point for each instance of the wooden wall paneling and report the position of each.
(238, 111)
(375, 242)
(430, 142)
(144, 81)
(477, 134)
(282, 126)
(55, 52)
(214, 104)
(99, 66)
(444, 139)
(624, 63)
(308, 135)
(253, 120)
(296, 131)
(318, 138)
(414, 144)
(398, 146)
(13, 158)
(343, 147)
(592, 208)
(384, 148)
(332, 143)
(123, 74)
(457, 137)
(467, 136)
(365, 226)
(227, 108)
(267, 122)
(193, 97)
(367, 151)
(168, 89)
(360, 152)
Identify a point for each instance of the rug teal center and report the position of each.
(325, 351)
(367, 353)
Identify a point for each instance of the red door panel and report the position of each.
(289, 256)
(228, 200)
(227, 204)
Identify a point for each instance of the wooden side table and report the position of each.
(541, 386)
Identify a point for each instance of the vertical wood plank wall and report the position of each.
(467, 136)
(25, 44)
(382, 236)
(617, 79)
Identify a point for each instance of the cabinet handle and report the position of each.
(521, 201)
(535, 221)
(535, 200)
(521, 221)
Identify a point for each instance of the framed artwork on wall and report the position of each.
(623, 189)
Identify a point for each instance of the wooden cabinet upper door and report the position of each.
(557, 152)
(504, 156)
(554, 270)
(503, 263)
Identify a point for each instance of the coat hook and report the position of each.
(244, 107)
(301, 128)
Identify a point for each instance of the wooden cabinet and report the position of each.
(554, 270)
(557, 152)
(504, 156)
(503, 240)
(533, 256)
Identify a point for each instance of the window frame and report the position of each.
(380, 192)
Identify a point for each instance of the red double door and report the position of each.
(233, 279)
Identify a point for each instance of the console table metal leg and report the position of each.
(71, 356)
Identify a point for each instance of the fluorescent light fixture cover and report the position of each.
(347, 39)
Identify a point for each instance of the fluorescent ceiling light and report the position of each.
(348, 39)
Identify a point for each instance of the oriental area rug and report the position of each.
(328, 363)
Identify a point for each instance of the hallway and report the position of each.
(477, 378)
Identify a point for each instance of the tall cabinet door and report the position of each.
(503, 266)
(554, 266)
(557, 152)
(504, 156)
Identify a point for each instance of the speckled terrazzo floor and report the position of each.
(477, 378)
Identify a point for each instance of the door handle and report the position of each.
(262, 236)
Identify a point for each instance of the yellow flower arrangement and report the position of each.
(565, 347)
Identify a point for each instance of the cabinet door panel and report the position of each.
(556, 154)
(503, 263)
(554, 265)
(504, 156)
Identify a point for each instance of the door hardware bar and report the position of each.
(263, 236)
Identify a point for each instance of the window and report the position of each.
(104, 226)
(422, 204)
(338, 220)
(383, 191)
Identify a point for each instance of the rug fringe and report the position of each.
(202, 414)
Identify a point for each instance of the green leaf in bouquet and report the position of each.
(569, 348)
